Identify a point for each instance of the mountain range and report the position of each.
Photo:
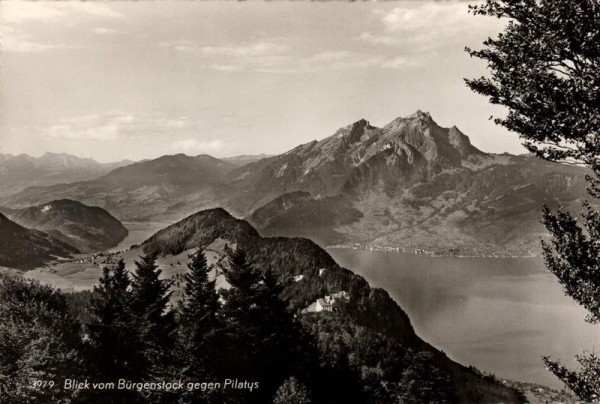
(412, 185)
(140, 191)
(357, 159)
(22, 171)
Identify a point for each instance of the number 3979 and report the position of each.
(40, 384)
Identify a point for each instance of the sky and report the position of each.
(136, 80)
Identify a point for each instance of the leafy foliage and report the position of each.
(79, 303)
(423, 382)
(291, 392)
(39, 340)
(573, 255)
(382, 370)
(586, 382)
(545, 68)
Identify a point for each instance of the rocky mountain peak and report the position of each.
(420, 131)
(419, 121)
(357, 130)
(421, 115)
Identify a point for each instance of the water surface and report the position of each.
(138, 233)
(498, 314)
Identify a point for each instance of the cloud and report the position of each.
(414, 34)
(105, 31)
(192, 145)
(15, 40)
(278, 57)
(412, 18)
(260, 48)
(17, 36)
(378, 39)
(395, 63)
(430, 23)
(95, 9)
(242, 50)
(19, 12)
(334, 60)
(330, 56)
(24, 11)
(119, 125)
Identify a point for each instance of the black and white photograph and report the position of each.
(300, 202)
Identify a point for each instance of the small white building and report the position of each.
(322, 305)
(326, 303)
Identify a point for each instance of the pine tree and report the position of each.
(263, 338)
(153, 320)
(111, 333)
(113, 338)
(199, 348)
(241, 314)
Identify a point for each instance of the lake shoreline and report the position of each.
(424, 252)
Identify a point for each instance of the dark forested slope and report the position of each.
(23, 248)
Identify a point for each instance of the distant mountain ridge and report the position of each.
(86, 228)
(22, 171)
(140, 191)
(411, 184)
(244, 159)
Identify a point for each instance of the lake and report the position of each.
(138, 233)
(498, 314)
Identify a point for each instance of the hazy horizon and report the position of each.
(230, 78)
(258, 154)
